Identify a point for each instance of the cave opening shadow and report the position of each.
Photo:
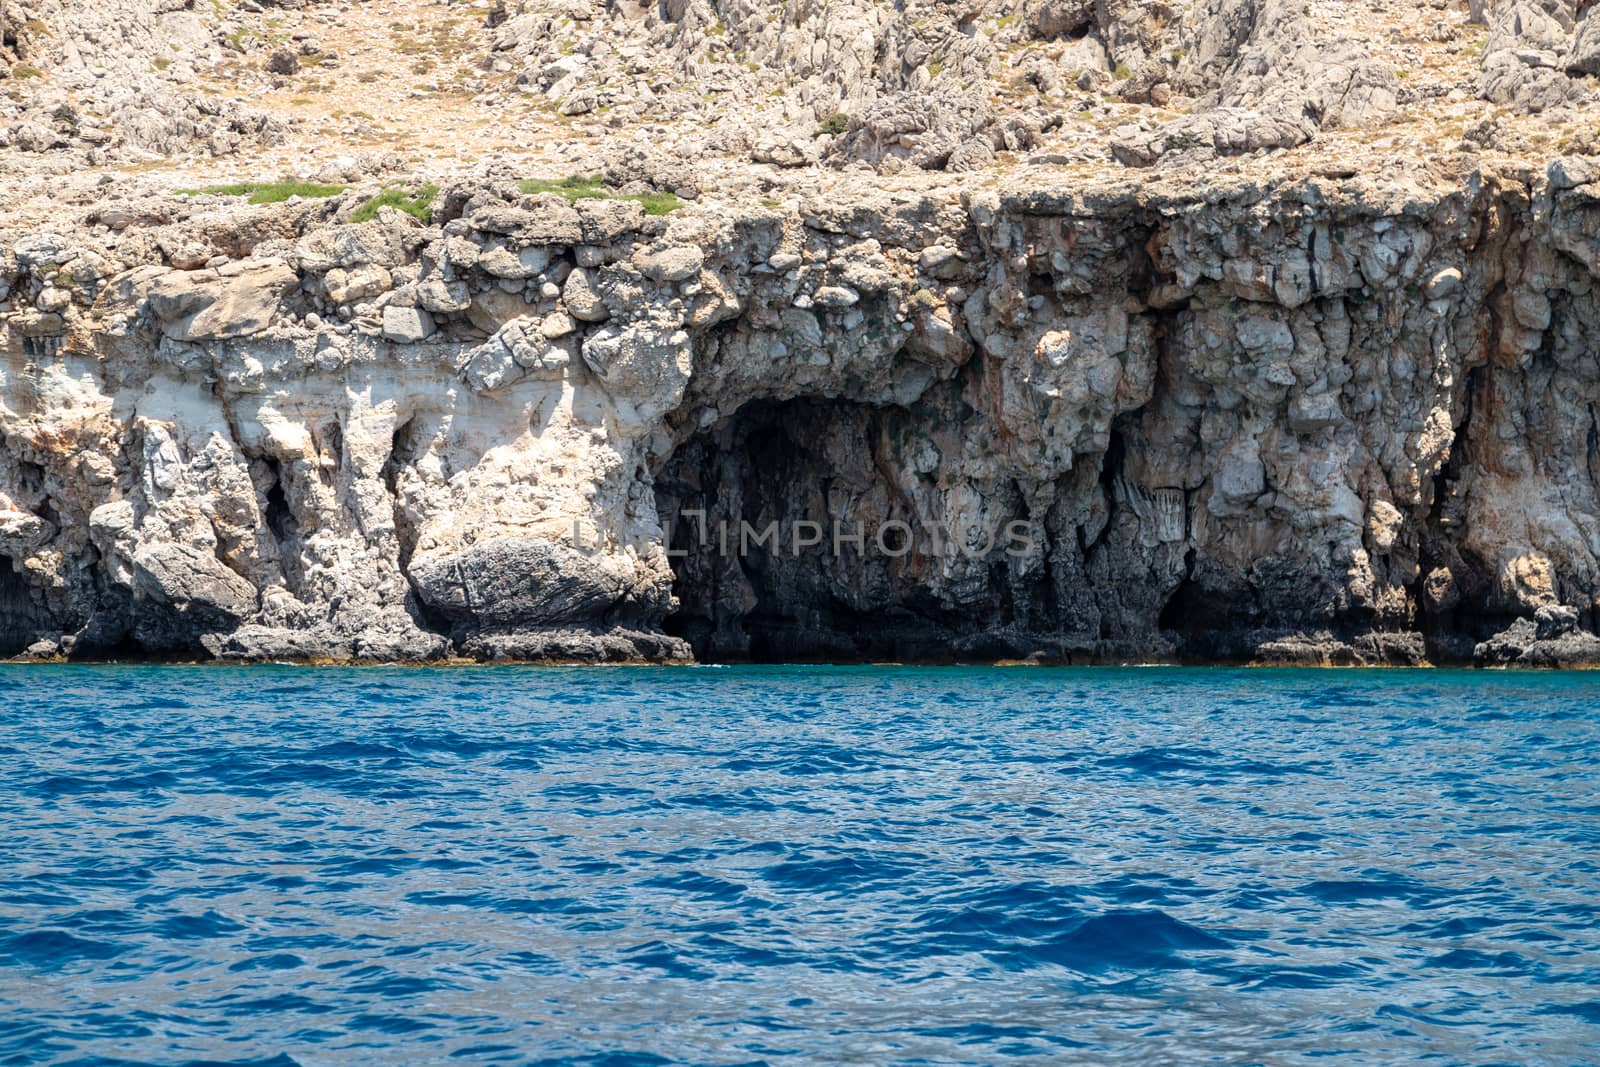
(745, 595)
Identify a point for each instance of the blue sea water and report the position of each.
(283, 866)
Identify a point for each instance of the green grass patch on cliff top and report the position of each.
(592, 187)
(419, 205)
(267, 192)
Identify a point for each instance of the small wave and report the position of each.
(355, 750)
(1265, 977)
(390, 1024)
(1156, 762)
(400, 985)
(276, 961)
(1358, 890)
(1585, 1010)
(746, 800)
(814, 760)
(607, 1059)
(192, 927)
(842, 874)
(1473, 959)
(696, 884)
(669, 959)
(52, 948)
(1131, 940)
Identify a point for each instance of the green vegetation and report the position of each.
(935, 65)
(658, 203)
(592, 187)
(573, 187)
(26, 70)
(1122, 73)
(717, 29)
(418, 205)
(267, 192)
(834, 124)
(771, 204)
(161, 64)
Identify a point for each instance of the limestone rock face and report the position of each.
(1314, 420)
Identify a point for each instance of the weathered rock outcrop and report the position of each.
(1308, 419)
(691, 95)
(104, 80)
(929, 85)
(1266, 76)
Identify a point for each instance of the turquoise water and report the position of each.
(804, 866)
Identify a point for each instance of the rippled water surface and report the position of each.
(783, 865)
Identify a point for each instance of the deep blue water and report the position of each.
(804, 866)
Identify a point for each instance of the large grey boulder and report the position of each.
(190, 579)
(922, 130)
(212, 305)
(521, 582)
(406, 325)
(1583, 55)
(1526, 57)
(1206, 135)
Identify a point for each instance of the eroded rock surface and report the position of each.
(1311, 419)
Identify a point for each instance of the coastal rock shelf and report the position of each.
(1309, 419)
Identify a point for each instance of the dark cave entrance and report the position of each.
(20, 616)
(280, 519)
(1188, 609)
(762, 511)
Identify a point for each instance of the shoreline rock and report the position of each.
(1315, 420)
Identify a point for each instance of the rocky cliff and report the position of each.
(1305, 418)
